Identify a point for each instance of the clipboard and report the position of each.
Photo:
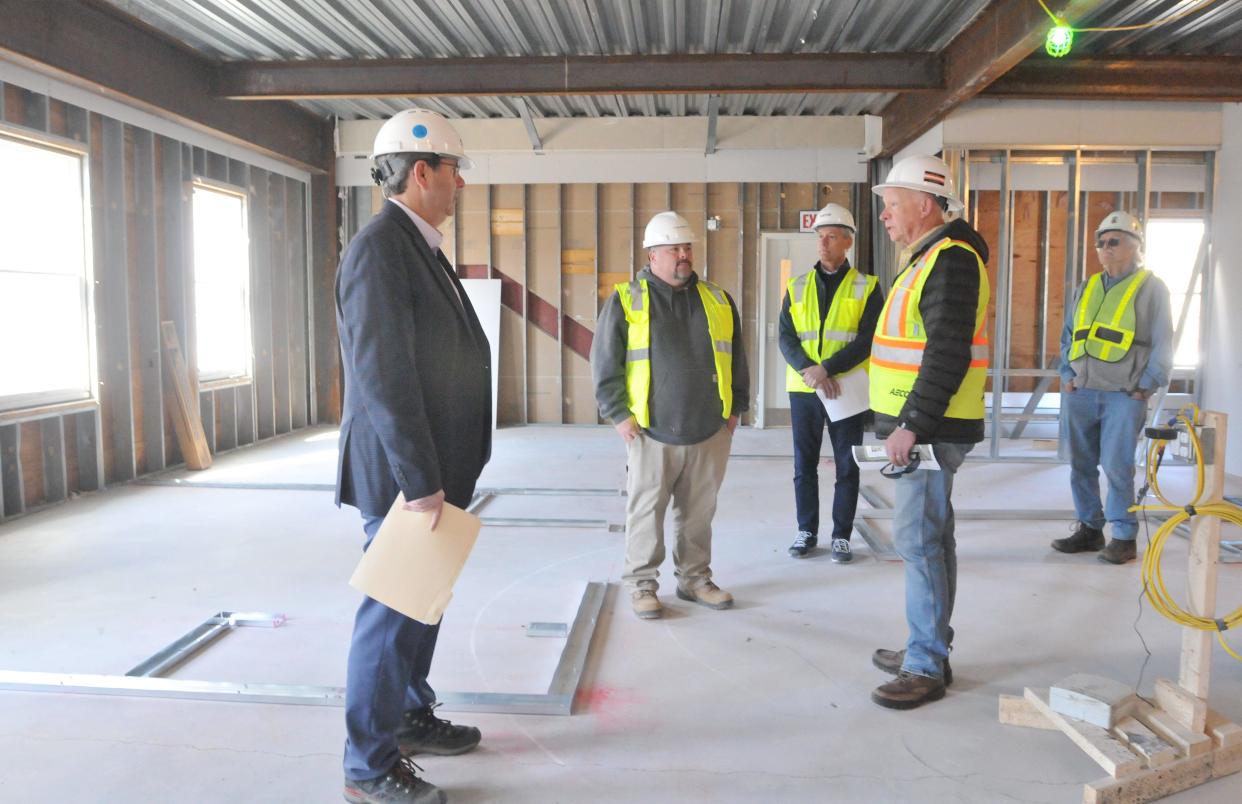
(411, 568)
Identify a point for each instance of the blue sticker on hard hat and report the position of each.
(419, 131)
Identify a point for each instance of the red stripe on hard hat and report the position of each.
(933, 178)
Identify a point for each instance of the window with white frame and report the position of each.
(45, 288)
(221, 283)
(1171, 246)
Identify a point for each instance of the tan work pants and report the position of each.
(689, 476)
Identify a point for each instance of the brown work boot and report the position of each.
(646, 605)
(890, 661)
(1119, 551)
(707, 594)
(1084, 539)
(908, 691)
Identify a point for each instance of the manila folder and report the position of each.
(411, 568)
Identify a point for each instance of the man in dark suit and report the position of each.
(417, 420)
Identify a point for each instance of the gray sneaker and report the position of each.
(803, 543)
(400, 785)
(841, 551)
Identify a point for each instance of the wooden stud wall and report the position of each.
(560, 249)
(140, 202)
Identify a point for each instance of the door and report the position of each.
(782, 255)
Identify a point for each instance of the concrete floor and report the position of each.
(767, 702)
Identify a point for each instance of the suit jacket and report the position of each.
(417, 414)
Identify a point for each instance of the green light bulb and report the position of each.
(1059, 41)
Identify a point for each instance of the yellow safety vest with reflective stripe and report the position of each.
(840, 325)
(1104, 322)
(636, 302)
(900, 340)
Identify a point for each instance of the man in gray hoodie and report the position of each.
(670, 374)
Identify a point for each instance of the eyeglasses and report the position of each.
(892, 472)
(1111, 242)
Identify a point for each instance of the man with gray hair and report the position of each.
(929, 363)
(417, 422)
(1116, 350)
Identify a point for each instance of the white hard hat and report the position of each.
(1121, 222)
(667, 229)
(927, 174)
(420, 131)
(835, 215)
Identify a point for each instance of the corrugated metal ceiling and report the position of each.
(262, 30)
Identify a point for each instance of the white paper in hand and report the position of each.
(411, 568)
(855, 396)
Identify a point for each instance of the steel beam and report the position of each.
(581, 75)
(1146, 77)
(999, 37)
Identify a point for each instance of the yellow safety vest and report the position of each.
(840, 326)
(1104, 322)
(636, 302)
(900, 340)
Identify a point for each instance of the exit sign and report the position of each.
(806, 220)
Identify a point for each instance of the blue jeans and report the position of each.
(923, 536)
(389, 659)
(809, 417)
(1104, 429)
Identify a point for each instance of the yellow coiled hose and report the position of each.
(1153, 578)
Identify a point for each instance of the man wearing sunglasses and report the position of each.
(929, 361)
(1116, 350)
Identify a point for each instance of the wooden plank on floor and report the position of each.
(1184, 707)
(186, 412)
(1156, 783)
(1016, 710)
(1144, 742)
(55, 469)
(1111, 754)
(1224, 732)
(1186, 741)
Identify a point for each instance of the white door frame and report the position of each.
(761, 372)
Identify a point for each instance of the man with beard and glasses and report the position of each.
(670, 374)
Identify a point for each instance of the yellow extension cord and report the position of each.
(1153, 577)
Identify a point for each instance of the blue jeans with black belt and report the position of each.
(923, 533)
(389, 659)
(1104, 429)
